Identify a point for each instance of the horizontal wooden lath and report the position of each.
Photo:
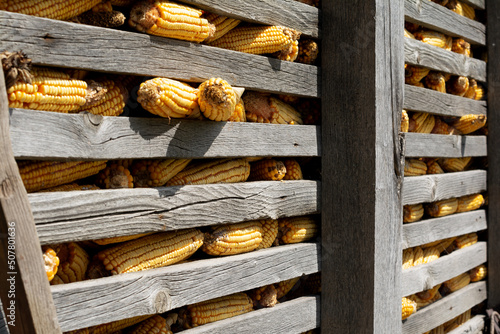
(428, 275)
(58, 43)
(421, 54)
(93, 302)
(473, 326)
(445, 309)
(420, 145)
(437, 17)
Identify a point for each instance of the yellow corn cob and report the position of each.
(469, 123)
(424, 302)
(106, 97)
(267, 169)
(38, 175)
(222, 25)
(455, 283)
(409, 307)
(293, 170)
(122, 3)
(408, 256)
(104, 6)
(442, 128)
(155, 172)
(115, 175)
(239, 114)
(169, 19)
(443, 245)
(442, 208)
(265, 296)
(460, 320)
(471, 92)
(217, 99)
(269, 232)
(115, 240)
(454, 164)
(285, 286)
(289, 54)
(405, 121)
(423, 122)
(154, 325)
(215, 309)
(409, 34)
(233, 239)
(168, 98)
(412, 213)
(308, 51)
(73, 261)
(436, 81)
(465, 240)
(461, 46)
(437, 330)
(297, 229)
(214, 171)
(433, 38)
(480, 94)
(418, 256)
(413, 74)
(55, 9)
(414, 167)
(263, 108)
(431, 254)
(434, 168)
(428, 294)
(455, 6)
(470, 202)
(101, 15)
(71, 187)
(457, 85)
(468, 11)
(51, 262)
(478, 273)
(16, 68)
(111, 327)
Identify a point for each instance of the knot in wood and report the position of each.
(162, 301)
(6, 188)
(94, 119)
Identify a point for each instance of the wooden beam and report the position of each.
(420, 145)
(361, 163)
(473, 326)
(478, 4)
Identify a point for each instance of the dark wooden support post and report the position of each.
(24, 291)
(362, 99)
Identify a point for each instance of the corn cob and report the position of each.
(263, 108)
(470, 202)
(16, 68)
(434, 38)
(297, 229)
(421, 122)
(55, 9)
(409, 34)
(115, 175)
(430, 254)
(111, 327)
(122, 3)
(454, 164)
(51, 262)
(216, 309)
(155, 172)
(214, 171)
(285, 286)
(168, 98)
(265, 296)
(455, 283)
(409, 307)
(239, 114)
(468, 11)
(73, 261)
(471, 92)
(443, 245)
(152, 251)
(469, 123)
(478, 273)
(458, 321)
(460, 46)
(405, 121)
(106, 97)
(293, 170)
(480, 93)
(458, 85)
(428, 294)
(39, 175)
(308, 51)
(269, 232)
(168, 19)
(418, 256)
(434, 168)
(438, 330)
(267, 169)
(408, 256)
(422, 303)
(115, 240)
(442, 128)
(413, 74)
(436, 81)
(217, 99)
(155, 325)
(414, 167)
(71, 187)
(222, 25)
(289, 54)
(233, 238)
(455, 6)
(465, 240)
(412, 213)
(101, 15)
(442, 208)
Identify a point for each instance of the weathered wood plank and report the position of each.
(4, 329)
(106, 299)
(445, 309)
(434, 102)
(292, 14)
(440, 18)
(429, 230)
(47, 135)
(84, 215)
(426, 276)
(473, 326)
(58, 43)
(431, 188)
(421, 145)
(478, 4)
(438, 59)
(291, 317)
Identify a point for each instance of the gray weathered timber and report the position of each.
(428, 275)
(429, 230)
(473, 326)
(420, 145)
(153, 291)
(288, 13)
(437, 17)
(84, 215)
(4, 329)
(438, 59)
(58, 43)
(24, 282)
(361, 160)
(479, 4)
(434, 102)
(291, 317)
(432, 188)
(50, 135)
(445, 309)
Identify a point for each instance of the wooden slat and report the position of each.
(432, 188)
(429, 230)
(292, 14)
(473, 326)
(4, 329)
(58, 43)
(421, 145)
(98, 301)
(479, 4)
(426, 276)
(49, 135)
(434, 102)
(438, 59)
(291, 317)
(440, 18)
(445, 309)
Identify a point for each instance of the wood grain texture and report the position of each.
(437, 17)
(58, 43)
(432, 188)
(4, 329)
(426, 276)
(294, 316)
(473, 326)
(420, 145)
(429, 230)
(158, 290)
(425, 55)
(431, 101)
(292, 14)
(478, 4)
(50, 135)
(445, 309)
(84, 215)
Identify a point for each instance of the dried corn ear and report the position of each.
(455, 283)
(465, 240)
(265, 296)
(268, 170)
(414, 167)
(471, 92)
(478, 273)
(408, 256)
(284, 287)
(308, 51)
(269, 232)
(115, 175)
(56, 9)
(418, 256)
(233, 239)
(412, 213)
(433, 167)
(16, 68)
(222, 25)
(442, 128)
(413, 74)
(442, 208)
(457, 85)
(217, 99)
(470, 202)
(430, 254)
(443, 245)
(409, 307)
(106, 97)
(239, 113)
(468, 11)
(73, 262)
(461, 46)
(436, 81)
(293, 170)
(469, 123)
(454, 164)
(480, 93)
(153, 325)
(156, 172)
(263, 108)
(289, 54)
(71, 187)
(115, 240)
(405, 121)
(297, 229)
(434, 38)
(101, 15)
(428, 294)
(408, 34)
(51, 262)
(113, 327)
(421, 122)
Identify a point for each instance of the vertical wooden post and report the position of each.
(362, 99)
(25, 291)
(493, 42)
